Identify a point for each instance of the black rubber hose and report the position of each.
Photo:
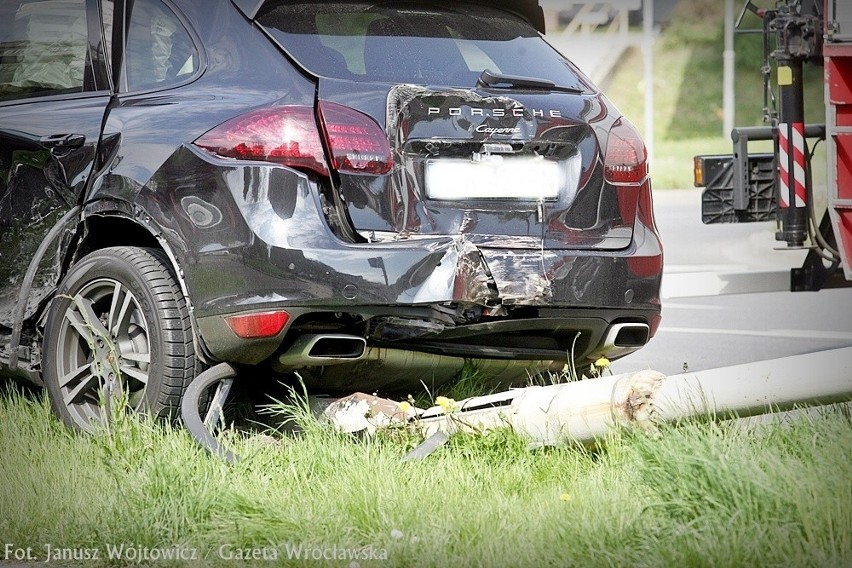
(192, 418)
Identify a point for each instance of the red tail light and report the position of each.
(258, 326)
(356, 143)
(286, 135)
(626, 161)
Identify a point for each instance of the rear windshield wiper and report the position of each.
(499, 81)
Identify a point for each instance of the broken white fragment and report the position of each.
(361, 412)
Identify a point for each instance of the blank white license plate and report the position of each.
(527, 178)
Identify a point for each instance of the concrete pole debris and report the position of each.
(585, 411)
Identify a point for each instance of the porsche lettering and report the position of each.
(517, 112)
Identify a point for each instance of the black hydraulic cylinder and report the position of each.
(792, 163)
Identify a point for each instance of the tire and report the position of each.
(119, 324)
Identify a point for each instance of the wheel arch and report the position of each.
(92, 232)
(103, 229)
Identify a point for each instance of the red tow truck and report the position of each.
(748, 187)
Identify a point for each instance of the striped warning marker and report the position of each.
(791, 141)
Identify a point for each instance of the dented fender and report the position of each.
(249, 234)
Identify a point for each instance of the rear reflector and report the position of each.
(286, 135)
(645, 266)
(626, 161)
(356, 143)
(258, 326)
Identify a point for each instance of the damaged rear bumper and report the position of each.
(271, 247)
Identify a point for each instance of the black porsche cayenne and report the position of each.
(369, 193)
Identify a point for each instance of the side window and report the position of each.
(43, 45)
(160, 51)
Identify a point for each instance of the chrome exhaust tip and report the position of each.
(320, 350)
(622, 339)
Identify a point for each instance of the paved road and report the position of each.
(710, 332)
(707, 332)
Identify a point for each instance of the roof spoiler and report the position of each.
(529, 10)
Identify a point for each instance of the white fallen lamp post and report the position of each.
(584, 411)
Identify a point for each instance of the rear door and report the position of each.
(53, 95)
(508, 163)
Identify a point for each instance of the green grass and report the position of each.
(688, 91)
(699, 494)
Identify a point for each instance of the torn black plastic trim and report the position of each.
(198, 427)
(23, 294)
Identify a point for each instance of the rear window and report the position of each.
(407, 43)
